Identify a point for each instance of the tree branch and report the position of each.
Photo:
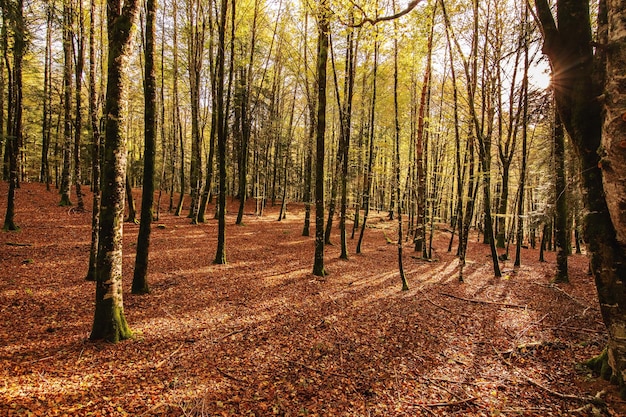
(371, 21)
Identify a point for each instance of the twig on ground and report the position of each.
(448, 403)
(586, 399)
(19, 244)
(229, 376)
(446, 309)
(471, 300)
(234, 332)
(158, 365)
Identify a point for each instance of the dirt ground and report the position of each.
(262, 336)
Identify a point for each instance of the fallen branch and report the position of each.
(448, 403)
(446, 309)
(229, 376)
(18, 244)
(471, 300)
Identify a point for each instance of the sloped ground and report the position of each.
(262, 336)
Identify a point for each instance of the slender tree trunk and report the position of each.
(369, 174)
(109, 320)
(67, 105)
(78, 121)
(220, 255)
(322, 57)
(405, 285)
(44, 175)
(561, 212)
(522, 182)
(140, 276)
(96, 148)
(14, 121)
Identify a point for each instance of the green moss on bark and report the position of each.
(600, 366)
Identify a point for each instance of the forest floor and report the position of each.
(263, 336)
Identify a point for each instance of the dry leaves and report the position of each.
(262, 336)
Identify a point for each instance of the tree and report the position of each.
(15, 15)
(67, 104)
(195, 50)
(140, 276)
(79, 49)
(222, 131)
(578, 77)
(46, 121)
(322, 58)
(109, 322)
(561, 213)
(96, 139)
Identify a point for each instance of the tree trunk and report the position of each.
(14, 119)
(561, 212)
(220, 255)
(67, 105)
(96, 148)
(78, 121)
(369, 174)
(140, 276)
(109, 321)
(322, 57)
(44, 175)
(576, 96)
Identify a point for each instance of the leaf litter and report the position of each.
(262, 336)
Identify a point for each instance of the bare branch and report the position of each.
(371, 21)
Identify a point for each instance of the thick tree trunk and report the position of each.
(577, 88)
(109, 321)
(613, 165)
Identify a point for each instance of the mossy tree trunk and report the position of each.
(109, 322)
(579, 77)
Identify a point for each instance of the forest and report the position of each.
(285, 207)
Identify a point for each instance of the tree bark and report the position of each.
(322, 58)
(96, 148)
(561, 214)
(579, 78)
(67, 105)
(109, 320)
(140, 276)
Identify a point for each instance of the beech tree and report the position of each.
(109, 322)
(140, 275)
(14, 13)
(585, 79)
